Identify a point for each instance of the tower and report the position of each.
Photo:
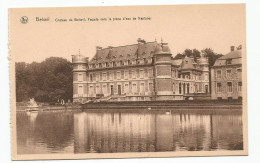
(79, 78)
(205, 74)
(163, 81)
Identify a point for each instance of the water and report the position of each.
(128, 131)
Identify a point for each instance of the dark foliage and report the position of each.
(209, 53)
(47, 81)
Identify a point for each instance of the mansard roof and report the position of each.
(235, 58)
(127, 52)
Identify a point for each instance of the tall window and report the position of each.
(141, 74)
(80, 77)
(97, 76)
(111, 75)
(206, 77)
(150, 87)
(98, 89)
(126, 74)
(104, 76)
(218, 73)
(239, 86)
(133, 74)
(91, 77)
(80, 89)
(134, 88)
(228, 73)
(173, 88)
(126, 88)
(179, 88)
(239, 72)
(142, 88)
(229, 86)
(150, 73)
(118, 75)
(91, 90)
(104, 89)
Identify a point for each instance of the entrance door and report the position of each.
(119, 89)
(112, 90)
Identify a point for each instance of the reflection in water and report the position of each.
(96, 131)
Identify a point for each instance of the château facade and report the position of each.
(226, 78)
(139, 72)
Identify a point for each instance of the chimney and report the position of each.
(98, 47)
(139, 40)
(232, 48)
(239, 47)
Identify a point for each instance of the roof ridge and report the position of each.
(126, 45)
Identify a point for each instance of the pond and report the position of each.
(110, 131)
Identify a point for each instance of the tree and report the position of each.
(46, 81)
(212, 57)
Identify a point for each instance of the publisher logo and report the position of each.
(24, 20)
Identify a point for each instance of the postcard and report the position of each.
(128, 81)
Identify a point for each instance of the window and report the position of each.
(239, 72)
(218, 73)
(126, 88)
(142, 88)
(239, 86)
(118, 75)
(126, 74)
(100, 65)
(173, 88)
(179, 88)
(80, 66)
(98, 89)
(229, 86)
(141, 74)
(151, 87)
(111, 75)
(91, 77)
(228, 73)
(134, 88)
(133, 74)
(104, 76)
(206, 77)
(80, 77)
(104, 89)
(129, 62)
(80, 89)
(150, 73)
(107, 64)
(228, 61)
(97, 76)
(91, 91)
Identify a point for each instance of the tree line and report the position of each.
(209, 53)
(47, 81)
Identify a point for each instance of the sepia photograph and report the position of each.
(128, 81)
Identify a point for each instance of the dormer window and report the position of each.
(100, 64)
(228, 61)
(107, 64)
(121, 63)
(129, 62)
(114, 64)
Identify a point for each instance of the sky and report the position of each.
(182, 26)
